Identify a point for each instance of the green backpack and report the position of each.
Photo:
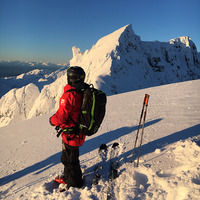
(92, 110)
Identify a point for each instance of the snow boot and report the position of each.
(59, 179)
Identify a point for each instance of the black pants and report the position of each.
(72, 170)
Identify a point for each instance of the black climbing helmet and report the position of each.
(75, 75)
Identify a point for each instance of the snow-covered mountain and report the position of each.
(121, 62)
(117, 63)
(169, 166)
(33, 94)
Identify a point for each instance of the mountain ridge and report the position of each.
(138, 62)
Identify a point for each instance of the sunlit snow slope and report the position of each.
(169, 164)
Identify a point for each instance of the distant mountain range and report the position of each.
(119, 62)
(14, 68)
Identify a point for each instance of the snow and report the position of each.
(126, 68)
(121, 62)
(169, 164)
(183, 41)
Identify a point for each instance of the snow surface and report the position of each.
(170, 154)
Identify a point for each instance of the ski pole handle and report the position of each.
(146, 99)
(59, 132)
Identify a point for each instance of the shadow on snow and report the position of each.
(94, 143)
(149, 147)
(163, 142)
(88, 146)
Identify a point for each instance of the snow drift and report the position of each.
(117, 63)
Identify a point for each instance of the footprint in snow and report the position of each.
(162, 174)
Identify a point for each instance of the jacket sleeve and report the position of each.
(50, 121)
(60, 118)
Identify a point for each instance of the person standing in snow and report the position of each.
(69, 110)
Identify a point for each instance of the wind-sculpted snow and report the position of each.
(49, 97)
(17, 103)
(119, 62)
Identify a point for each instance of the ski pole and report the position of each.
(138, 128)
(145, 113)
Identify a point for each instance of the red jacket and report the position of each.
(69, 105)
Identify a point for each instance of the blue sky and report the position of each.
(46, 30)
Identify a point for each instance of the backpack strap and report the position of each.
(75, 123)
